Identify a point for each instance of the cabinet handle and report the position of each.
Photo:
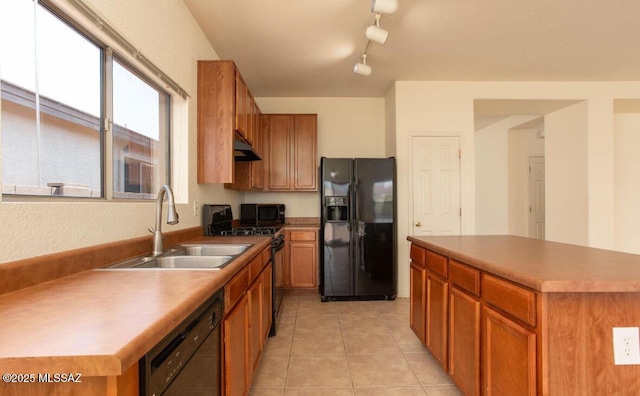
(418, 224)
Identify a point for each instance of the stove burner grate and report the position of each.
(240, 231)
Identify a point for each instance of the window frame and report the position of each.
(166, 109)
(145, 71)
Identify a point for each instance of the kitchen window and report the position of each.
(77, 119)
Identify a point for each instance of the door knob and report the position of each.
(418, 224)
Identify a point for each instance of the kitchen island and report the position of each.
(97, 324)
(509, 315)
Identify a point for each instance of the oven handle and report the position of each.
(278, 243)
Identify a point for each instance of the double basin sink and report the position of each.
(188, 256)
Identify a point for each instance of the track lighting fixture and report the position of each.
(376, 33)
(384, 6)
(362, 68)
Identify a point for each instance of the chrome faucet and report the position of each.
(172, 218)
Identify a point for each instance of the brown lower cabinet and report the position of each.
(255, 297)
(464, 341)
(471, 333)
(300, 259)
(437, 323)
(504, 338)
(418, 307)
(236, 348)
(246, 323)
(509, 356)
(267, 296)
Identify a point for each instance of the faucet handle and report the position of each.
(151, 230)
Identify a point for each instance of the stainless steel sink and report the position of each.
(190, 256)
(187, 262)
(210, 249)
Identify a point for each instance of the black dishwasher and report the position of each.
(188, 360)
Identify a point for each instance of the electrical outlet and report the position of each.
(626, 345)
(195, 208)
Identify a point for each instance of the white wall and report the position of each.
(491, 172)
(523, 144)
(390, 123)
(627, 182)
(501, 171)
(347, 127)
(165, 33)
(566, 178)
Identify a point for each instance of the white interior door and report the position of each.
(436, 186)
(536, 197)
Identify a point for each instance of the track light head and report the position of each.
(362, 68)
(377, 34)
(384, 6)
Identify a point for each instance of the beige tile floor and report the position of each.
(347, 348)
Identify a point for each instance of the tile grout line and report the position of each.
(344, 346)
(295, 321)
(372, 310)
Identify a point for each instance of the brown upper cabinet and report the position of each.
(249, 175)
(290, 152)
(226, 111)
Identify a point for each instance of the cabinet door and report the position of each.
(236, 345)
(509, 356)
(254, 296)
(464, 341)
(280, 269)
(267, 296)
(258, 145)
(302, 267)
(305, 151)
(241, 106)
(248, 175)
(216, 121)
(249, 113)
(418, 301)
(279, 144)
(437, 317)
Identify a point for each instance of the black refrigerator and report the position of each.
(358, 229)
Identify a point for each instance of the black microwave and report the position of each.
(261, 214)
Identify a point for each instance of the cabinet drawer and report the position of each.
(510, 298)
(464, 277)
(302, 236)
(437, 263)
(417, 255)
(236, 288)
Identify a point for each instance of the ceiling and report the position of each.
(296, 48)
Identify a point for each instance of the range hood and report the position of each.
(243, 152)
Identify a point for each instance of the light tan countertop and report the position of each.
(542, 265)
(100, 322)
(302, 222)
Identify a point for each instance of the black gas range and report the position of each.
(217, 220)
